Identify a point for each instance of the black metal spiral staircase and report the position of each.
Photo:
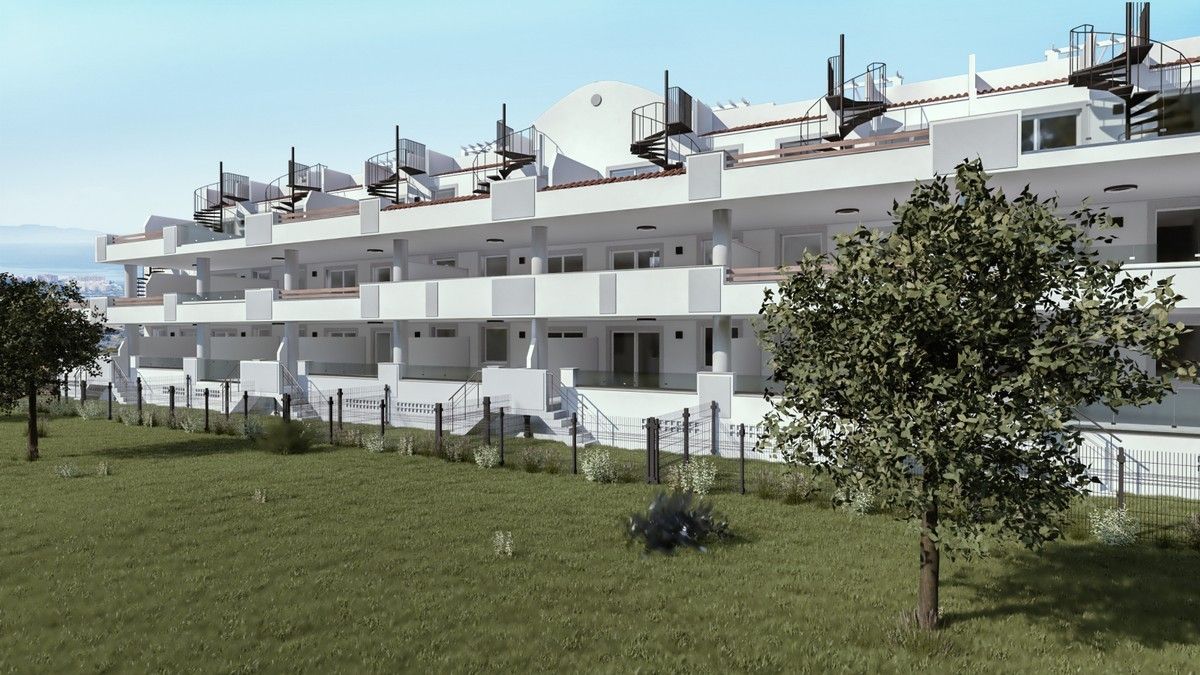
(655, 124)
(869, 100)
(145, 279)
(211, 202)
(512, 151)
(283, 193)
(387, 174)
(1099, 63)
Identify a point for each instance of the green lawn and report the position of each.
(381, 562)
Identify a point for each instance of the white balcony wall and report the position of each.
(334, 350)
(242, 348)
(337, 309)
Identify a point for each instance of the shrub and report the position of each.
(226, 427)
(502, 542)
(407, 446)
(102, 469)
(253, 428)
(286, 437)
(487, 457)
(796, 487)
(858, 501)
(674, 520)
(1114, 527)
(539, 458)
(189, 422)
(259, 496)
(627, 472)
(697, 475)
(598, 466)
(374, 443)
(766, 483)
(66, 471)
(1191, 531)
(455, 449)
(57, 407)
(129, 416)
(91, 410)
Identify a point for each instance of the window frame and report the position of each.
(1036, 119)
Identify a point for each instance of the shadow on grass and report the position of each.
(198, 446)
(1099, 595)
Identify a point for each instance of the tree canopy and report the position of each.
(939, 366)
(46, 331)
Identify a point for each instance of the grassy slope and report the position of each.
(378, 562)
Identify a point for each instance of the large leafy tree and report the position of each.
(938, 366)
(46, 331)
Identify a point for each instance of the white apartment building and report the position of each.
(618, 245)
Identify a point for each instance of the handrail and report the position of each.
(348, 291)
(893, 141)
(574, 401)
(299, 180)
(144, 300)
(139, 236)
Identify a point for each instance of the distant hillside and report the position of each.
(45, 249)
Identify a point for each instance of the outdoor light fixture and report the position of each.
(495, 240)
(374, 250)
(846, 209)
(646, 227)
(276, 257)
(1122, 187)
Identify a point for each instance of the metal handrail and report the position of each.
(574, 401)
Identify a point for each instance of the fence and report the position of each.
(1160, 489)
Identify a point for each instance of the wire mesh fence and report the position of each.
(1160, 489)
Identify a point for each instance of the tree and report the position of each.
(938, 367)
(46, 331)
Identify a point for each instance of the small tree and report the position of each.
(939, 366)
(46, 331)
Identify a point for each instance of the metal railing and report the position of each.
(343, 369)
(212, 296)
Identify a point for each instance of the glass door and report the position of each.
(383, 346)
(636, 358)
(495, 345)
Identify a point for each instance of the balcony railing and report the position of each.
(218, 370)
(139, 236)
(342, 369)
(165, 362)
(1181, 409)
(892, 141)
(315, 293)
(212, 296)
(133, 302)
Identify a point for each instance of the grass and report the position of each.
(379, 562)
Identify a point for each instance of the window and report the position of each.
(784, 145)
(1049, 131)
(1178, 235)
(381, 274)
(564, 334)
(446, 262)
(264, 273)
(343, 278)
(636, 260)
(566, 263)
(222, 332)
(794, 246)
(495, 266)
(341, 333)
(632, 171)
(445, 193)
(443, 331)
(495, 345)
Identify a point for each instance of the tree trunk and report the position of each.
(927, 593)
(33, 423)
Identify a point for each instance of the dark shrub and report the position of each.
(286, 437)
(539, 458)
(676, 519)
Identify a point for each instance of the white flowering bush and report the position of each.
(698, 475)
(408, 446)
(375, 443)
(66, 471)
(858, 501)
(102, 469)
(190, 423)
(1114, 527)
(487, 457)
(91, 410)
(259, 496)
(502, 543)
(129, 417)
(598, 466)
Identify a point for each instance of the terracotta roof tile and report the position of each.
(465, 169)
(620, 179)
(763, 125)
(931, 99)
(411, 205)
(1025, 85)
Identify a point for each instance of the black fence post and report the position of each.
(649, 449)
(226, 386)
(714, 432)
(437, 427)
(110, 395)
(487, 420)
(206, 410)
(687, 424)
(171, 403)
(139, 400)
(382, 417)
(246, 410)
(331, 420)
(501, 435)
(657, 450)
(387, 400)
(83, 391)
(574, 443)
(528, 427)
(742, 456)
(287, 407)
(187, 391)
(339, 408)
(1120, 478)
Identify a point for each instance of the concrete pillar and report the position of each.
(203, 276)
(722, 241)
(291, 269)
(131, 278)
(537, 257)
(400, 343)
(399, 260)
(202, 350)
(291, 342)
(535, 357)
(722, 344)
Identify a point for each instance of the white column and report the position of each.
(722, 344)
(291, 269)
(291, 341)
(537, 257)
(202, 275)
(131, 278)
(202, 341)
(133, 343)
(535, 357)
(400, 343)
(399, 261)
(722, 223)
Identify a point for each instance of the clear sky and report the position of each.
(112, 110)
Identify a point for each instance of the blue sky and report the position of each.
(110, 111)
